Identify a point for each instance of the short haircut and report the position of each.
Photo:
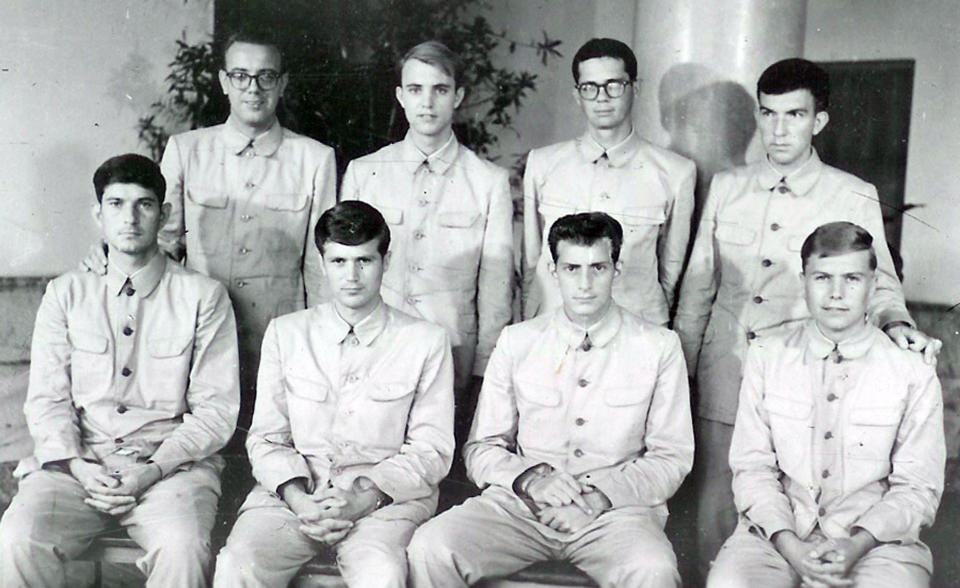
(837, 238)
(351, 223)
(253, 36)
(436, 54)
(586, 228)
(605, 47)
(130, 168)
(796, 74)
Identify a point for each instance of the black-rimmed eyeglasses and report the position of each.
(266, 79)
(613, 88)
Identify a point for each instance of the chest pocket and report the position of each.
(310, 406)
(207, 197)
(790, 428)
(393, 216)
(379, 418)
(167, 373)
(640, 216)
(734, 234)
(873, 432)
(294, 202)
(90, 365)
(206, 220)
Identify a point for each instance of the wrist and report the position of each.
(292, 491)
(368, 488)
(521, 484)
(863, 541)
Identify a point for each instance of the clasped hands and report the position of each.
(563, 503)
(328, 514)
(114, 493)
(824, 563)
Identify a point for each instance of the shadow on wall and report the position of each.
(709, 120)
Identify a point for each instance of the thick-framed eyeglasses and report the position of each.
(266, 79)
(613, 88)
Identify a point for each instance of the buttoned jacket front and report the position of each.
(451, 224)
(243, 211)
(128, 370)
(878, 465)
(334, 404)
(614, 414)
(743, 283)
(648, 189)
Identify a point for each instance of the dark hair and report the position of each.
(796, 74)
(130, 168)
(352, 222)
(586, 228)
(837, 238)
(253, 36)
(436, 54)
(605, 47)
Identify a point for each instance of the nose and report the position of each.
(584, 280)
(131, 214)
(779, 126)
(837, 289)
(354, 273)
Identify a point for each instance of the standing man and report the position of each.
(133, 389)
(450, 213)
(649, 190)
(244, 196)
(838, 453)
(353, 426)
(581, 435)
(741, 282)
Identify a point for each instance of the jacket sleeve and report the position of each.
(213, 392)
(273, 457)
(495, 282)
(324, 196)
(51, 417)
(918, 460)
(172, 234)
(667, 456)
(675, 233)
(427, 451)
(532, 241)
(757, 491)
(700, 281)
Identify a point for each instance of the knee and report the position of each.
(643, 570)
(723, 575)
(373, 559)
(430, 544)
(179, 544)
(19, 535)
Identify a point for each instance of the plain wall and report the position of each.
(928, 32)
(75, 78)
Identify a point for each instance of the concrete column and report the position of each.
(699, 61)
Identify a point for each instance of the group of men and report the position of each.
(361, 325)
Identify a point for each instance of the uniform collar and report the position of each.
(819, 347)
(335, 330)
(799, 181)
(265, 144)
(617, 156)
(437, 162)
(601, 332)
(144, 281)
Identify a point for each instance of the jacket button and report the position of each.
(766, 263)
(578, 452)
(118, 440)
(825, 474)
(828, 435)
(121, 409)
(125, 372)
(751, 335)
(831, 397)
(129, 291)
(758, 299)
(580, 422)
(418, 235)
(127, 331)
(774, 227)
(822, 511)
(582, 383)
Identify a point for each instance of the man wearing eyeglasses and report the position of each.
(243, 196)
(649, 190)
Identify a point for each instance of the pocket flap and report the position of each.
(624, 395)
(389, 391)
(306, 387)
(458, 219)
(89, 342)
(393, 216)
(644, 215)
(169, 346)
(735, 234)
(207, 197)
(787, 407)
(287, 202)
(539, 394)
(877, 416)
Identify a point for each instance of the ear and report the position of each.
(459, 98)
(164, 213)
(820, 120)
(398, 92)
(224, 81)
(576, 97)
(95, 213)
(617, 268)
(552, 268)
(386, 260)
(282, 84)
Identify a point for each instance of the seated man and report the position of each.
(353, 425)
(582, 433)
(133, 388)
(838, 449)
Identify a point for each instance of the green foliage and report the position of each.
(341, 58)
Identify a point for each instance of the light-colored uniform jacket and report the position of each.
(649, 190)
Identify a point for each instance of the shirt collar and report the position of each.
(617, 156)
(144, 281)
(799, 181)
(601, 332)
(265, 144)
(437, 162)
(335, 329)
(819, 347)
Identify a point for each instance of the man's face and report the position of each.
(605, 112)
(253, 107)
(130, 217)
(787, 125)
(429, 98)
(585, 275)
(837, 290)
(354, 273)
